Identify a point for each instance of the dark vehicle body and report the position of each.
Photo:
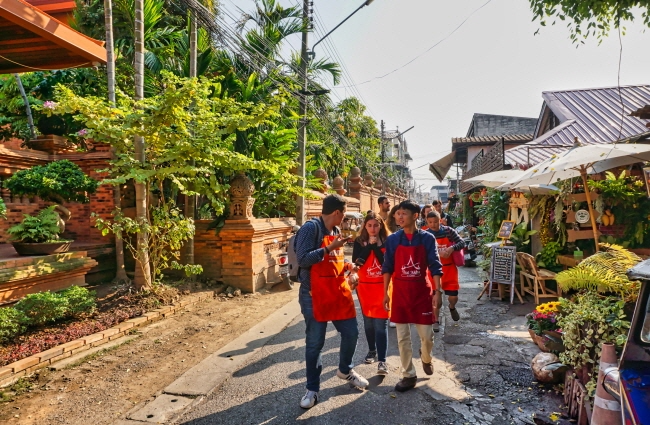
(630, 383)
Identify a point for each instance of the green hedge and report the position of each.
(44, 307)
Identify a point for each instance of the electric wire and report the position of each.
(426, 51)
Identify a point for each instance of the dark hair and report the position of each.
(383, 230)
(425, 207)
(333, 203)
(436, 202)
(392, 226)
(433, 214)
(409, 206)
(381, 200)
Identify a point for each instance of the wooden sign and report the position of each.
(646, 175)
(506, 229)
(502, 268)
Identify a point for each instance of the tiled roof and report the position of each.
(593, 115)
(489, 140)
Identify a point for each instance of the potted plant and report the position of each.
(541, 320)
(39, 235)
(57, 182)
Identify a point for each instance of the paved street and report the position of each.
(482, 376)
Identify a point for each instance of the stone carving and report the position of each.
(379, 184)
(338, 183)
(241, 201)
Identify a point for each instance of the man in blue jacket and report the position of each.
(409, 253)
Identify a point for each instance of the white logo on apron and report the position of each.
(375, 269)
(411, 269)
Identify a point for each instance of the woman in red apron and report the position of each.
(409, 254)
(368, 257)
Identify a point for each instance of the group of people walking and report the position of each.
(399, 277)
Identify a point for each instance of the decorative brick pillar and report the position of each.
(338, 183)
(355, 183)
(367, 180)
(380, 185)
(241, 201)
(321, 175)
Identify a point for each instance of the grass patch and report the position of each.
(22, 386)
(97, 354)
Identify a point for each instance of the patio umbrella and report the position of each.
(580, 161)
(539, 189)
(495, 178)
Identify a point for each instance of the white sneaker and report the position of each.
(353, 378)
(392, 325)
(309, 400)
(382, 368)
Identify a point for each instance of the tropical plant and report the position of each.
(42, 228)
(521, 237)
(547, 257)
(167, 232)
(493, 210)
(604, 272)
(588, 321)
(58, 181)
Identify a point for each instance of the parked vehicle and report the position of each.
(630, 382)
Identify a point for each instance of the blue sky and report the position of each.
(493, 64)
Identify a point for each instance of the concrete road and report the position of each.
(482, 376)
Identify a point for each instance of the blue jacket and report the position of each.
(420, 237)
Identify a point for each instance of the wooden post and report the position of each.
(583, 173)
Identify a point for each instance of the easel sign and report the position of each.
(505, 231)
(502, 269)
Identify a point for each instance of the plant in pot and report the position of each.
(543, 327)
(56, 182)
(39, 235)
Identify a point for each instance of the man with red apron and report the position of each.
(325, 295)
(409, 254)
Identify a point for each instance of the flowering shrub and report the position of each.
(544, 318)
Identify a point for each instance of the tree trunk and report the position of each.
(28, 109)
(190, 200)
(120, 275)
(142, 278)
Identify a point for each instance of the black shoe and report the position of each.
(406, 384)
(454, 314)
(371, 357)
(428, 368)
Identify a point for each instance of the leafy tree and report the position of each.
(590, 17)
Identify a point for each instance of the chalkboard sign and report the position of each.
(502, 269)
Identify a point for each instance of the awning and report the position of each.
(31, 40)
(441, 167)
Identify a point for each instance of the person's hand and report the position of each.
(436, 299)
(348, 267)
(353, 281)
(446, 252)
(386, 302)
(372, 240)
(337, 243)
(443, 221)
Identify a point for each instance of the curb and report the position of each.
(191, 388)
(12, 372)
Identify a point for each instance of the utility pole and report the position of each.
(302, 111)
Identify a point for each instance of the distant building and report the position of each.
(439, 192)
(397, 155)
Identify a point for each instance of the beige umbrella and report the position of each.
(580, 161)
(495, 178)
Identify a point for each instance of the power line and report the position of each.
(426, 51)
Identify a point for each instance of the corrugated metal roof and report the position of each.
(512, 138)
(594, 115)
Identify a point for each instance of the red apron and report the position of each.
(371, 288)
(412, 297)
(449, 280)
(331, 294)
